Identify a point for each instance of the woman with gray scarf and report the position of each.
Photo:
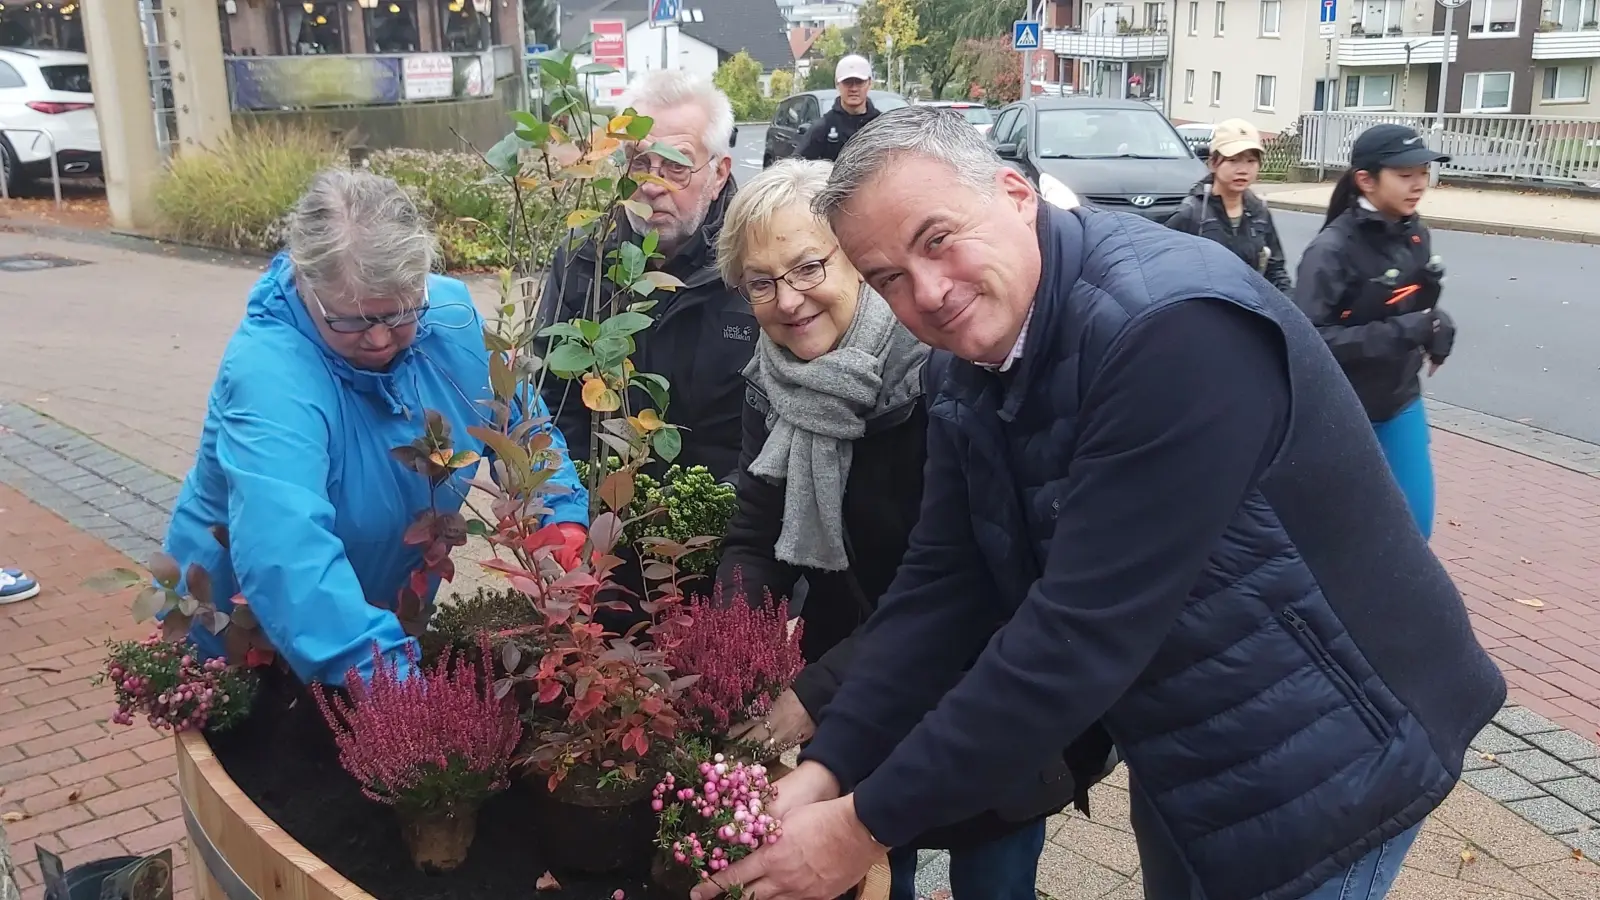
(831, 478)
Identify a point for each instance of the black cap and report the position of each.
(1387, 146)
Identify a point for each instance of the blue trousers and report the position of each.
(1404, 440)
(1003, 869)
(1166, 877)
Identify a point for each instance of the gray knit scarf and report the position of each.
(817, 409)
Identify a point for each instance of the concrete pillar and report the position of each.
(199, 80)
(120, 72)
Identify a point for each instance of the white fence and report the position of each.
(1521, 148)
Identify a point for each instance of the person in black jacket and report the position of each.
(851, 110)
(703, 333)
(1370, 283)
(1222, 207)
(834, 434)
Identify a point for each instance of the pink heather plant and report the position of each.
(428, 742)
(744, 654)
(174, 687)
(717, 817)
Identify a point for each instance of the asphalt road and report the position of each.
(1528, 314)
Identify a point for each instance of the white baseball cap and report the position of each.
(852, 66)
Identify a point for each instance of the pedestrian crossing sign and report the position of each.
(1024, 35)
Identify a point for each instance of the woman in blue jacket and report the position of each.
(347, 341)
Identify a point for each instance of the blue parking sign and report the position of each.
(1024, 35)
(664, 12)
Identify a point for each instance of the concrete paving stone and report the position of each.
(1106, 846)
(1474, 760)
(1502, 784)
(1554, 816)
(1590, 767)
(1439, 855)
(1585, 842)
(1535, 765)
(1582, 793)
(1564, 745)
(933, 873)
(1493, 739)
(1415, 884)
(1065, 875)
(1568, 879)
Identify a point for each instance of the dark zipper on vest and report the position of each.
(1341, 679)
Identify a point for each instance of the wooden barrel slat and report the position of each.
(274, 865)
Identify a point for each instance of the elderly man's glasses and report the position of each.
(675, 173)
(358, 324)
(803, 277)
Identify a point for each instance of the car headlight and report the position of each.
(1055, 193)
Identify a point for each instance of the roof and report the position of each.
(755, 26)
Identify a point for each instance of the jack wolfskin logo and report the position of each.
(746, 333)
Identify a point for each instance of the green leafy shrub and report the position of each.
(740, 79)
(690, 503)
(501, 614)
(237, 196)
(470, 213)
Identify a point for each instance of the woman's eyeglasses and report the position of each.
(675, 173)
(803, 277)
(357, 324)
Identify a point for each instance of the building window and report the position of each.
(1494, 17)
(1567, 84)
(466, 25)
(1575, 15)
(392, 27)
(1382, 17)
(312, 29)
(1222, 17)
(1271, 17)
(1188, 85)
(1216, 88)
(1486, 92)
(1266, 92)
(1194, 17)
(1155, 16)
(1369, 92)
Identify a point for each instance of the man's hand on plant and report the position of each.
(570, 553)
(786, 725)
(824, 851)
(810, 783)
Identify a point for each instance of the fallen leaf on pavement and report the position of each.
(1576, 853)
(1524, 560)
(1467, 856)
(1487, 757)
(76, 793)
(1534, 602)
(51, 669)
(14, 816)
(547, 882)
(1454, 522)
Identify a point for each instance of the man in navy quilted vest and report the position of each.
(1154, 502)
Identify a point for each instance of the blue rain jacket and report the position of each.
(294, 459)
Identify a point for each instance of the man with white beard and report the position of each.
(704, 332)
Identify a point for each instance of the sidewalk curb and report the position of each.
(1502, 229)
(1570, 453)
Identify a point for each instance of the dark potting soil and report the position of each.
(284, 759)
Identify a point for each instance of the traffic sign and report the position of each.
(1024, 35)
(664, 12)
(538, 48)
(1330, 12)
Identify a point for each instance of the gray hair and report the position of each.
(661, 88)
(358, 235)
(762, 197)
(928, 131)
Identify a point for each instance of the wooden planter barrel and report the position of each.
(238, 853)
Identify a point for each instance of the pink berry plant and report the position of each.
(714, 815)
(745, 654)
(174, 687)
(431, 741)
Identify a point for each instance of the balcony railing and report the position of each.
(1554, 40)
(1516, 148)
(1395, 49)
(1080, 45)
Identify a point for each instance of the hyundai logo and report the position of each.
(1143, 200)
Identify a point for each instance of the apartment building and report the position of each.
(1266, 60)
(1107, 48)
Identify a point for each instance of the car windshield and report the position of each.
(74, 79)
(977, 115)
(1107, 134)
(886, 102)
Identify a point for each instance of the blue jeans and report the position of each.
(1404, 440)
(1166, 877)
(1003, 869)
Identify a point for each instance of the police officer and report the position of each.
(851, 110)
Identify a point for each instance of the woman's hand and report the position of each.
(786, 725)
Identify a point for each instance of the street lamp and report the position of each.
(1450, 7)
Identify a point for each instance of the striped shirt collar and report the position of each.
(1016, 349)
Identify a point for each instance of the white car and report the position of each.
(48, 91)
(976, 114)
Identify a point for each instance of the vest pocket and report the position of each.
(1300, 629)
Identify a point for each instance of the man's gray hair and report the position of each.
(356, 235)
(659, 89)
(787, 183)
(928, 131)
